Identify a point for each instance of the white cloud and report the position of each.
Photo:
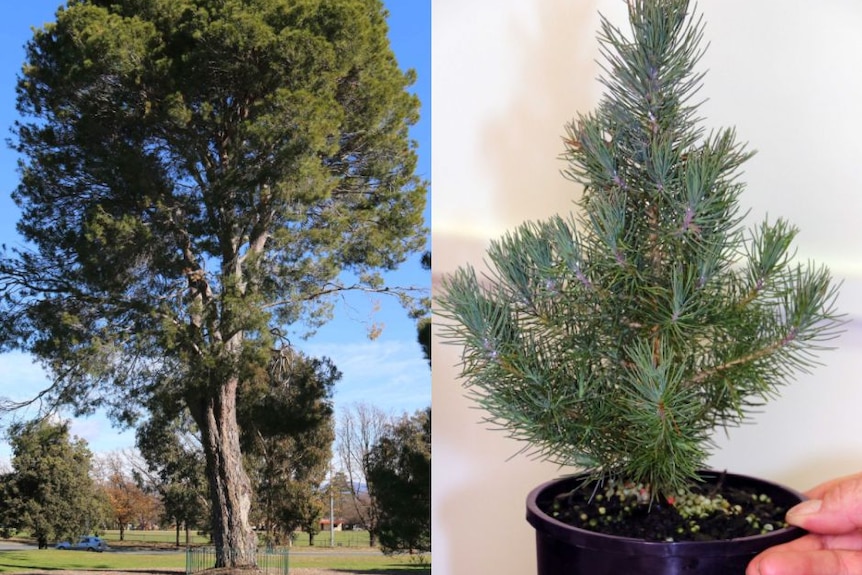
(100, 434)
(22, 379)
(390, 374)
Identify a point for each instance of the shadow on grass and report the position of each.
(400, 570)
(13, 569)
(416, 571)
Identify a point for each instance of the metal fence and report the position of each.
(269, 561)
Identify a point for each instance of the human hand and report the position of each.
(833, 546)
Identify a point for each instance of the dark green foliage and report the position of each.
(620, 338)
(176, 469)
(194, 169)
(424, 329)
(424, 337)
(287, 433)
(399, 470)
(196, 176)
(292, 397)
(49, 492)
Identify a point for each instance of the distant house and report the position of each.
(337, 526)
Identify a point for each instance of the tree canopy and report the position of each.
(49, 492)
(199, 180)
(399, 469)
(174, 466)
(287, 434)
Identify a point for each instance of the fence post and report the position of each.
(270, 561)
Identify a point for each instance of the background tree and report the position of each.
(173, 466)
(399, 469)
(50, 491)
(351, 509)
(360, 428)
(309, 509)
(182, 507)
(287, 434)
(196, 175)
(7, 495)
(129, 503)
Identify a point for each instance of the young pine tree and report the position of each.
(620, 338)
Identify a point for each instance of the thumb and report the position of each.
(838, 510)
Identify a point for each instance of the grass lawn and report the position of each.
(49, 559)
(53, 559)
(342, 538)
(351, 554)
(360, 563)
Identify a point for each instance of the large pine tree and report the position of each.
(196, 176)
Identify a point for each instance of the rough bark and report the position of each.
(230, 488)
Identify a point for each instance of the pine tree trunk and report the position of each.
(230, 488)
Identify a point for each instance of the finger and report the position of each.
(831, 561)
(812, 542)
(838, 510)
(805, 545)
(818, 491)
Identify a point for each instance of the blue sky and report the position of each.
(389, 372)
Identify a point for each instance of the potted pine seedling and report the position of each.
(620, 339)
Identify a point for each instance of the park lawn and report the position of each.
(158, 538)
(359, 563)
(53, 559)
(354, 539)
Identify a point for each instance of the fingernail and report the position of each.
(806, 508)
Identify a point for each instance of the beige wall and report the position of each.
(507, 74)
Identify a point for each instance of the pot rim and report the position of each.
(584, 538)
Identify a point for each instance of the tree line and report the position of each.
(57, 489)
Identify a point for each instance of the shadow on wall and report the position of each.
(555, 81)
(479, 494)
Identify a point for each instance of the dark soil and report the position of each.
(710, 512)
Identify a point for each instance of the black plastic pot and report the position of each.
(565, 550)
